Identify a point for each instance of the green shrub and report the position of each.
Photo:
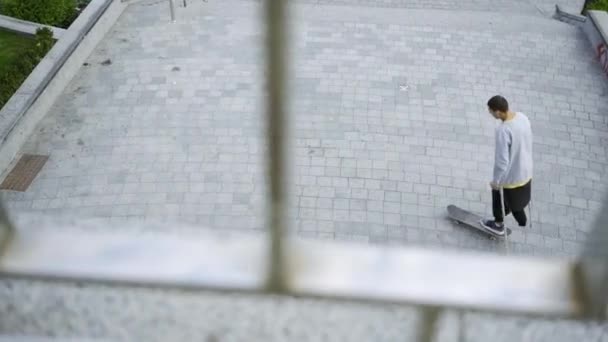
(48, 12)
(14, 75)
(600, 5)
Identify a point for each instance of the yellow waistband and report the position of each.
(517, 185)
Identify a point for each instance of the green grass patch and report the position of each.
(599, 5)
(47, 12)
(11, 45)
(22, 61)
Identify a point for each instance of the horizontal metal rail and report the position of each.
(412, 276)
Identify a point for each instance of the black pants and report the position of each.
(515, 201)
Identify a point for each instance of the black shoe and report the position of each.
(491, 225)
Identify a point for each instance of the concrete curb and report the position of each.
(569, 18)
(596, 29)
(21, 114)
(27, 27)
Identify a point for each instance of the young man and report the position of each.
(512, 165)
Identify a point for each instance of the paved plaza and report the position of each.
(388, 125)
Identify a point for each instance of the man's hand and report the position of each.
(494, 186)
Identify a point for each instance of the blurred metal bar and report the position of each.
(450, 279)
(6, 229)
(593, 267)
(191, 261)
(342, 271)
(172, 9)
(275, 130)
(428, 324)
(462, 326)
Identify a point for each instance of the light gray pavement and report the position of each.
(172, 128)
(389, 125)
(542, 7)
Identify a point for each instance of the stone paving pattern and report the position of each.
(542, 7)
(388, 126)
(172, 129)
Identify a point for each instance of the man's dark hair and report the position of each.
(498, 103)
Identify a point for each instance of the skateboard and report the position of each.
(461, 216)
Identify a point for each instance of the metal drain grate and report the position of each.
(23, 174)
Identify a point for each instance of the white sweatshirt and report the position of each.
(513, 156)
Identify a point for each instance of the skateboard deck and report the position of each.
(461, 216)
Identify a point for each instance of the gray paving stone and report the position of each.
(553, 243)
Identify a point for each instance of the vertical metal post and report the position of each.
(276, 80)
(172, 9)
(428, 324)
(6, 229)
(461, 326)
(591, 274)
(185, 4)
